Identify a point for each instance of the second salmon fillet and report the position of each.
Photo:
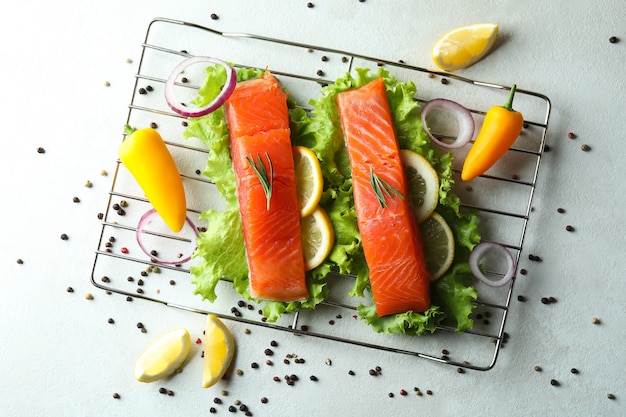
(391, 237)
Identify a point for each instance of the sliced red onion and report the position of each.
(464, 118)
(479, 250)
(229, 86)
(145, 219)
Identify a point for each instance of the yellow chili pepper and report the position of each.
(501, 127)
(148, 159)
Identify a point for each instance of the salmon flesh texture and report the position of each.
(258, 124)
(391, 237)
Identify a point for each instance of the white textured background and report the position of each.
(58, 354)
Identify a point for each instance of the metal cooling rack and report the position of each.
(503, 198)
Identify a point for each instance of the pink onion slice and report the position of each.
(463, 116)
(474, 259)
(145, 219)
(227, 89)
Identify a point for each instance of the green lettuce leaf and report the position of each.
(320, 130)
(221, 248)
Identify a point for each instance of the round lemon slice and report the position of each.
(318, 238)
(219, 349)
(438, 245)
(423, 183)
(464, 46)
(163, 356)
(309, 181)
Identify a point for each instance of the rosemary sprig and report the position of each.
(382, 188)
(262, 173)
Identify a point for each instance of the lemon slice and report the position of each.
(219, 349)
(163, 356)
(318, 238)
(423, 183)
(464, 46)
(438, 245)
(309, 181)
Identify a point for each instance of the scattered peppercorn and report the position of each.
(69, 289)
(390, 395)
(264, 400)
(162, 390)
(254, 365)
(613, 39)
(610, 396)
(274, 343)
(214, 16)
(217, 400)
(76, 200)
(444, 81)
(523, 271)
(585, 148)
(239, 372)
(107, 84)
(324, 58)
(554, 383)
(88, 184)
(129, 298)
(41, 150)
(571, 135)
(595, 320)
(574, 371)
(521, 298)
(276, 378)
(64, 236)
(320, 72)
(403, 392)
(212, 410)
(116, 395)
(142, 91)
(88, 296)
(313, 378)
(310, 5)
(429, 392)
(19, 261)
(560, 210)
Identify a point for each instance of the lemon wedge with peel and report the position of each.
(309, 180)
(318, 238)
(438, 245)
(423, 183)
(163, 356)
(464, 46)
(219, 349)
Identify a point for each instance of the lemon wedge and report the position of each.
(438, 245)
(309, 181)
(464, 46)
(423, 183)
(219, 349)
(318, 238)
(163, 356)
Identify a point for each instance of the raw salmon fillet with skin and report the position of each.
(258, 124)
(391, 237)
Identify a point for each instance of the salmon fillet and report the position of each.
(391, 237)
(258, 124)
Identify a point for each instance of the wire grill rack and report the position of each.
(503, 198)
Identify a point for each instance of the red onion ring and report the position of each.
(463, 116)
(479, 250)
(145, 219)
(229, 86)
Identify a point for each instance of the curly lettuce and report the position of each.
(221, 248)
